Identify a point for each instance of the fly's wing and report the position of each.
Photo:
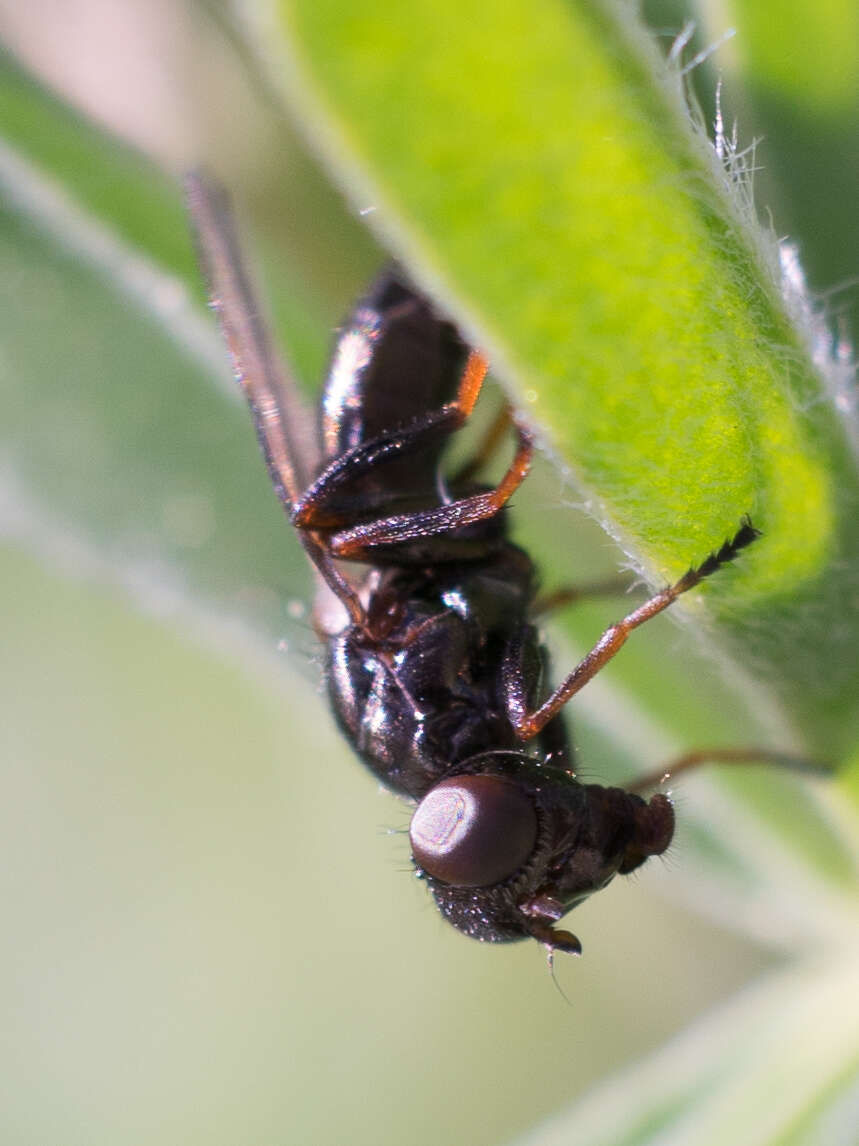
(283, 423)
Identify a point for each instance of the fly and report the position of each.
(435, 670)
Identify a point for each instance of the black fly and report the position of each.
(435, 669)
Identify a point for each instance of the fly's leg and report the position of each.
(359, 542)
(692, 760)
(528, 724)
(342, 589)
(486, 448)
(313, 516)
(313, 510)
(572, 594)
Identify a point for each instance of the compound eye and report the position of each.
(473, 831)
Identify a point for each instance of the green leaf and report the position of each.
(790, 78)
(537, 169)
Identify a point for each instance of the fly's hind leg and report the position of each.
(571, 594)
(359, 542)
(314, 509)
(309, 511)
(486, 448)
(528, 723)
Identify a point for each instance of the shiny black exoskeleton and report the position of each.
(435, 668)
(418, 685)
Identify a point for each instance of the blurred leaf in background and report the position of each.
(210, 938)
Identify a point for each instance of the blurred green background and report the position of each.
(211, 931)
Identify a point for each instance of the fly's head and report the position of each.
(508, 845)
